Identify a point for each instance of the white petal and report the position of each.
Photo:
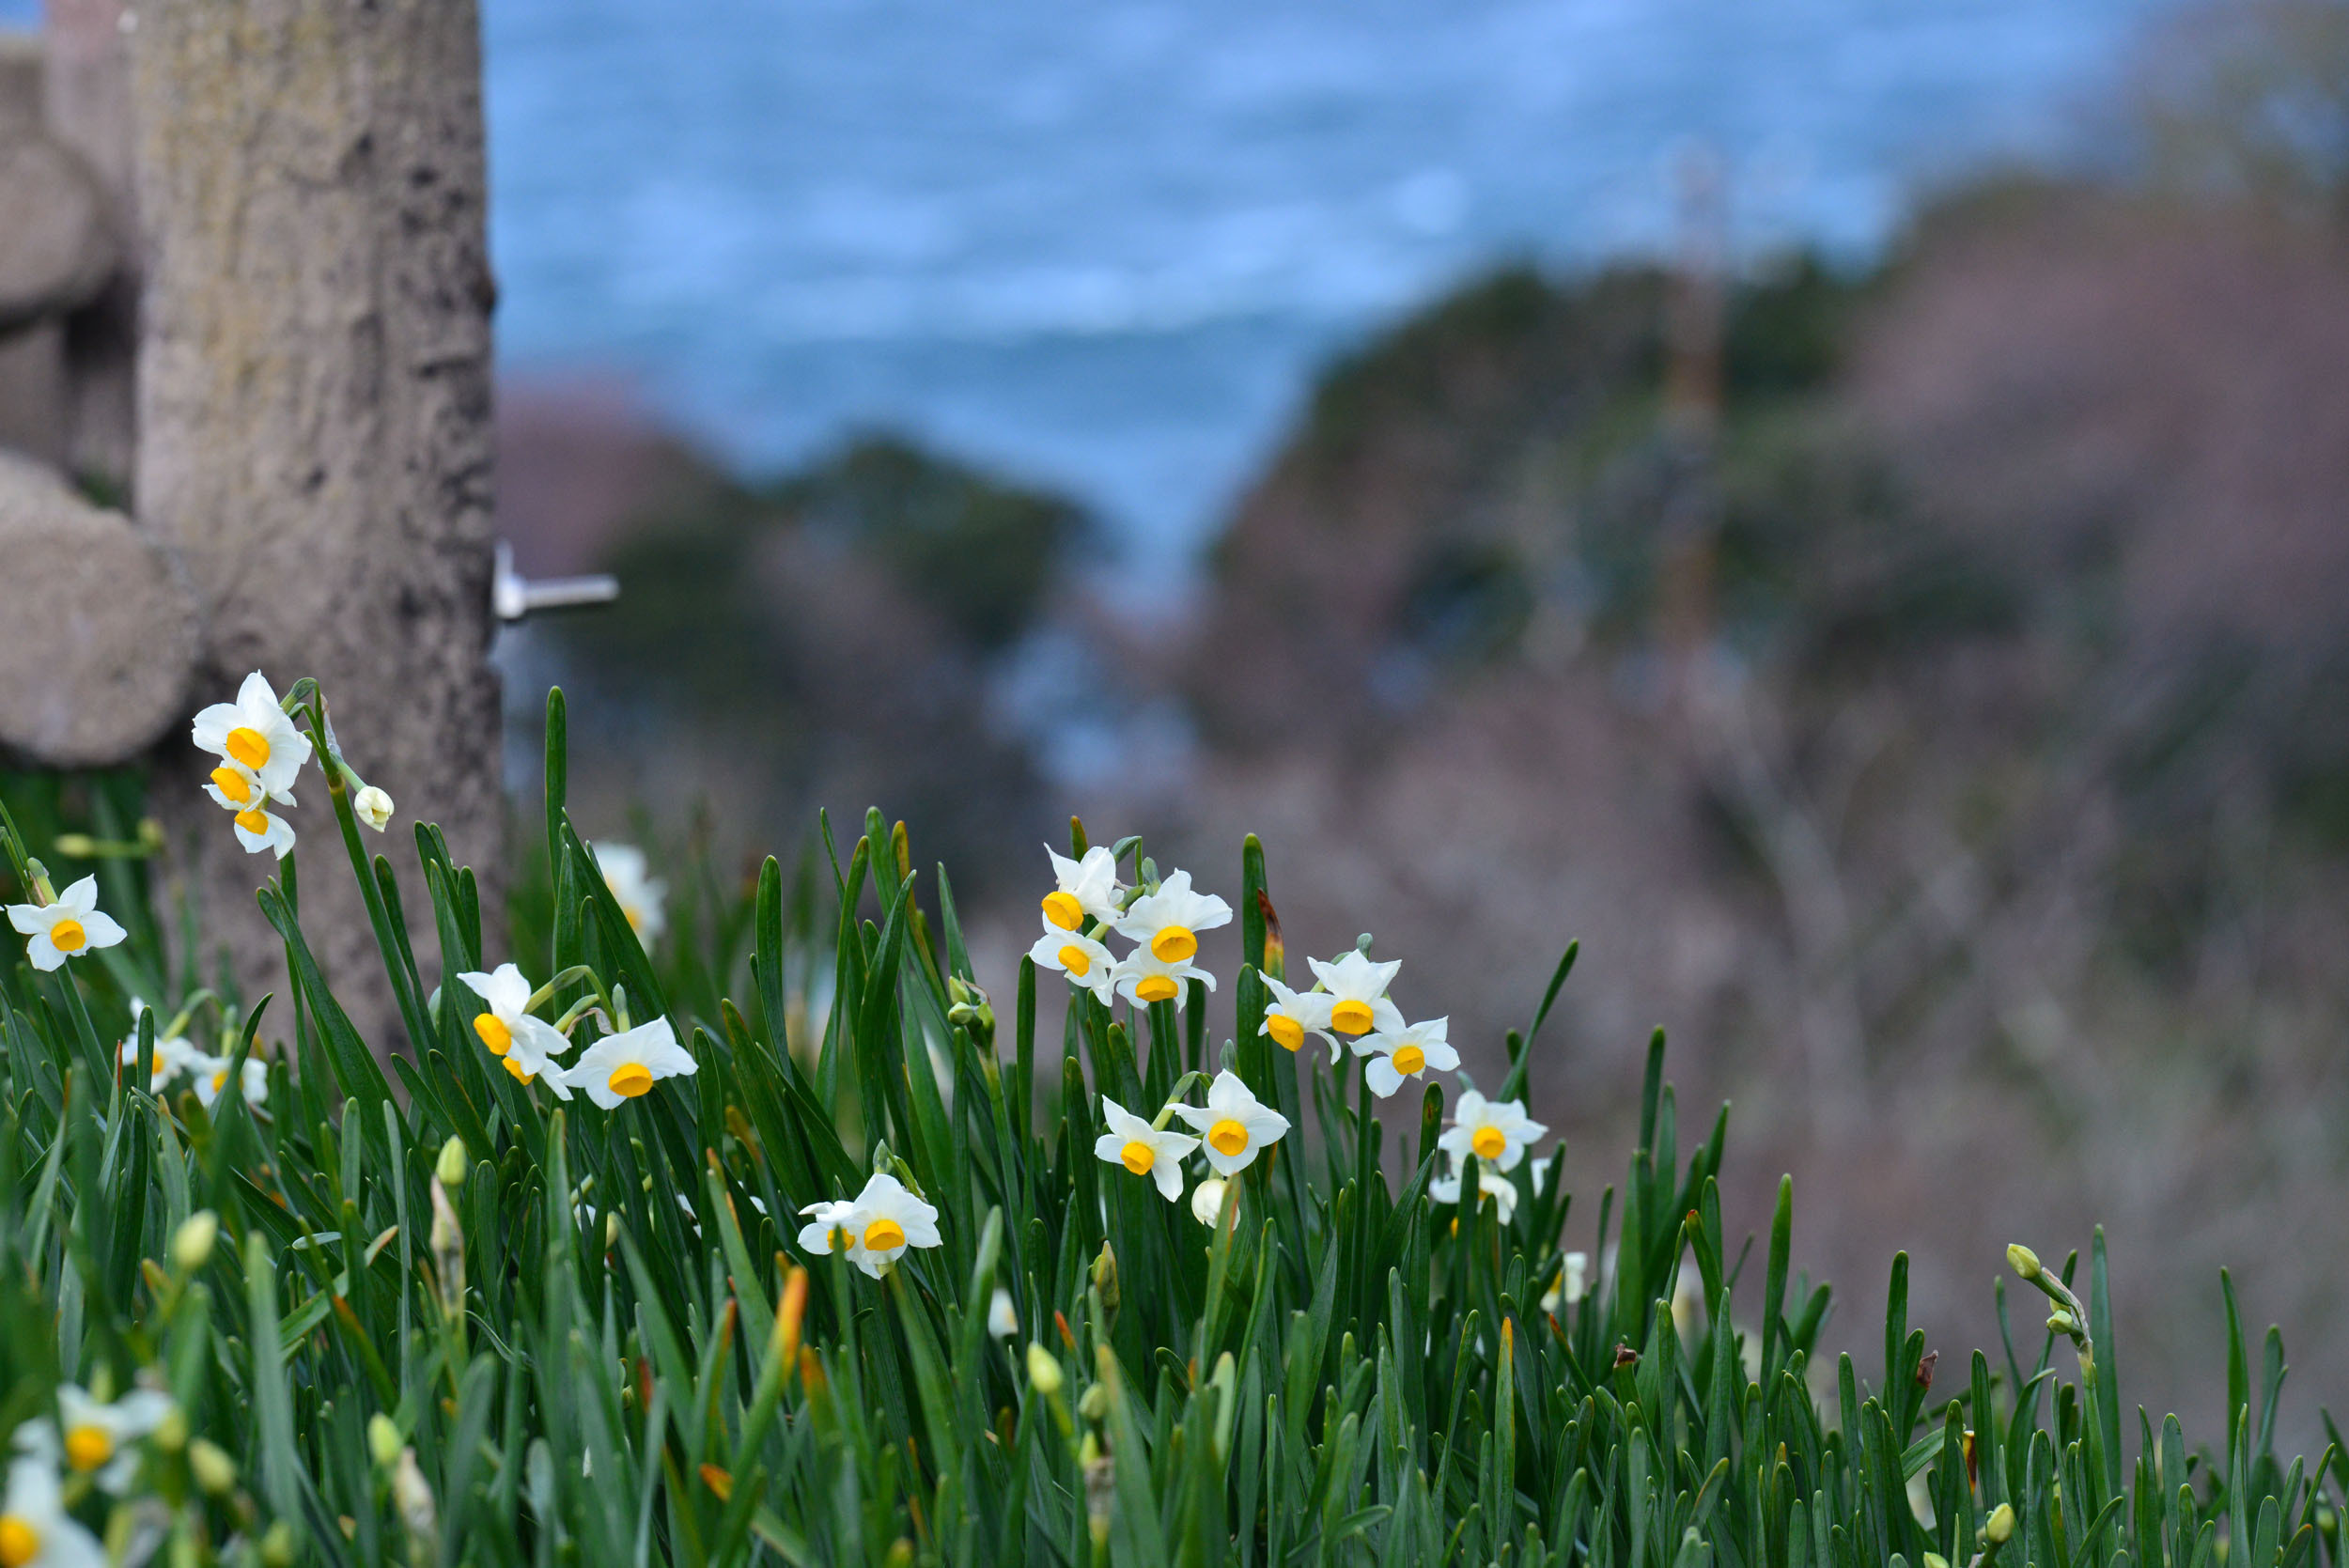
(1381, 1077)
(510, 993)
(209, 732)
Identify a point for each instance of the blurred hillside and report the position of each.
(1942, 735)
(1921, 692)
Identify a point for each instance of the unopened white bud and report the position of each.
(1043, 1374)
(191, 1243)
(372, 807)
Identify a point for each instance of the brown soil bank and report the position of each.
(1940, 730)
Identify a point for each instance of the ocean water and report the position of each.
(1104, 244)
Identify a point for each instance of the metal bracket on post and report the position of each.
(514, 597)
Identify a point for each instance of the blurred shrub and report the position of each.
(976, 551)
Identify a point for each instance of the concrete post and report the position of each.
(315, 445)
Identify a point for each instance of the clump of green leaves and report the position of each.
(462, 1321)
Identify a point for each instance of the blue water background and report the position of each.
(1105, 243)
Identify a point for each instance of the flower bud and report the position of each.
(215, 1471)
(1003, 1318)
(1094, 1404)
(1935, 1559)
(1105, 1275)
(451, 1169)
(2023, 1261)
(1043, 1374)
(76, 847)
(372, 807)
(2062, 1321)
(790, 1313)
(1206, 1201)
(277, 1545)
(412, 1495)
(2001, 1526)
(191, 1243)
(383, 1439)
(171, 1433)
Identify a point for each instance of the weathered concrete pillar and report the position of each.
(313, 420)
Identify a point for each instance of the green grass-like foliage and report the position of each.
(598, 1346)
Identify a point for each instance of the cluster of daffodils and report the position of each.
(621, 1066)
(1163, 919)
(178, 1058)
(1232, 1128)
(1347, 1007)
(90, 1443)
(260, 751)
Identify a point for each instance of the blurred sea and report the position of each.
(1103, 244)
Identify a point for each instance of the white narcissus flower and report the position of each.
(639, 897)
(172, 1053)
(1236, 1125)
(1144, 1150)
(1295, 1014)
(876, 1226)
(1083, 888)
(259, 827)
(373, 807)
(36, 1532)
(622, 1066)
(831, 1227)
(1358, 993)
(1496, 1132)
(1142, 979)
(1405, 1053)
(210, 1075)
(255, 733)
(1089, 966)
(1495, 1187)
(66, 929)
(99, 1439)
(531, 1060)
(509, 1021)
(1206, 1200)
(1167, 922)
(234, 788)
(1567, 1289)
(1003, 1318)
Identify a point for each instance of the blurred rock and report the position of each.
(98, 634)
